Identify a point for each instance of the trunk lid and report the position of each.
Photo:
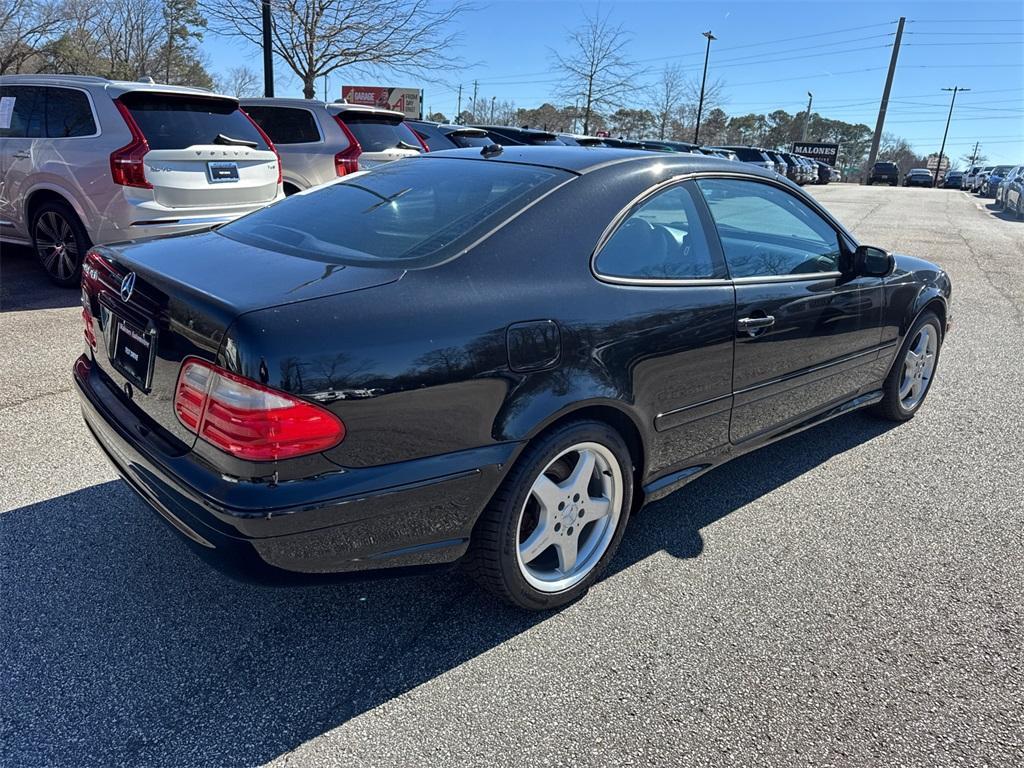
(383, 136)
(204, 152)
(185, 293)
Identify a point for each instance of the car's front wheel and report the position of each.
(911, 375)
(557, 519)
(60, 241)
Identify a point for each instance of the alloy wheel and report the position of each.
(56, 245)
(570, 517)
(918, 367)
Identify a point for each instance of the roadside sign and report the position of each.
(933, 163)
(408, 101)
(826, 153)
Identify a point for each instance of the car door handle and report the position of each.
(754, 324)
(21, 155)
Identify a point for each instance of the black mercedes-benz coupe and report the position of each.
(490, 357)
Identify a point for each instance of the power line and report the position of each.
(773, 53)
(807, 56)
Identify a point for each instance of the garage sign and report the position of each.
(408, 101)
(826, 153)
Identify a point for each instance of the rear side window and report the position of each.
(412, 209)
(286, 125)
(377, 134)
(27, 105)
(661, 239)
(172, 121)
(68, 114)
(469, 140)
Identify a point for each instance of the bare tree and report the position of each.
(25, 25)
(317, 37)
(667, 97)
(597, 71)
(240, 82)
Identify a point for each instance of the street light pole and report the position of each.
(703, 80)
(938, 165)
(807, 118)
(268, 53)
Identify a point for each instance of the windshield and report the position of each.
(409, 210)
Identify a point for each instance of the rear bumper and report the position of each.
(406, 516)
(129, 219)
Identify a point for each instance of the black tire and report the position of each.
(891, 406)
(60, 242)
(492, 559)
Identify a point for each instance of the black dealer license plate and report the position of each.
(220, 172)
(133, 352)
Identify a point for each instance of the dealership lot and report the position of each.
(850, 596)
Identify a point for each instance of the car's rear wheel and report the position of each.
(60, 241)
(911, 376)
(557, 519)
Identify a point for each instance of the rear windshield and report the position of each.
(749, 155)
(885, 166)
(410, 210)
(377, 134)
(172, 121)
(469, 140)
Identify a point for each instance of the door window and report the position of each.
(661, 239)
(767, 232)
(68, 114)
(286, 125)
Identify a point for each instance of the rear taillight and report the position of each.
(418, 138)
(347, 161)
(126, 164)
(270, 144)
(90, 330)
(248, 420)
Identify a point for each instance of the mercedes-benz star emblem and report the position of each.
(127, 286)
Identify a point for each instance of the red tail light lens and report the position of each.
(270, 144)
(347, 161)
(126, 164)
(418, 137)
(248, 420)
(90, 331)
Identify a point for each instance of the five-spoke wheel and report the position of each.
(911, 375)
(557, 518)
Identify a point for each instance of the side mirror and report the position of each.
(869, 261)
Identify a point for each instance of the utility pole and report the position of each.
(974, 154)
(807, 118)
(472, 107)
(492, 108)
(703, 80)
(268, 52)
(885, 97)
(458, 107)
(938, 166)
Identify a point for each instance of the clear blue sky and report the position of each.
(840, 54)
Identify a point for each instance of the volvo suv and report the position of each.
(87, 160)
(320, 141)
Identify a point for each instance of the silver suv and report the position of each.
(320, 141)
(88, 160)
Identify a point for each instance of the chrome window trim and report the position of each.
(712, 281)
(92, 110)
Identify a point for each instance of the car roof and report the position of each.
(582, 160)
(450, 127)
(113, 87)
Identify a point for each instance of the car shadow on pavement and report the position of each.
(24, 285)
(123, 648)
(1000, 212)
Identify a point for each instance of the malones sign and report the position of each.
(409, 101)
(826, 153)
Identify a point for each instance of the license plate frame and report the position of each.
(221, 172)
(132, 351)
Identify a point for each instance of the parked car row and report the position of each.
(89, 160)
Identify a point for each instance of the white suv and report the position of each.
(87, 160)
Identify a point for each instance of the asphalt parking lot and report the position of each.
(851, 596)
